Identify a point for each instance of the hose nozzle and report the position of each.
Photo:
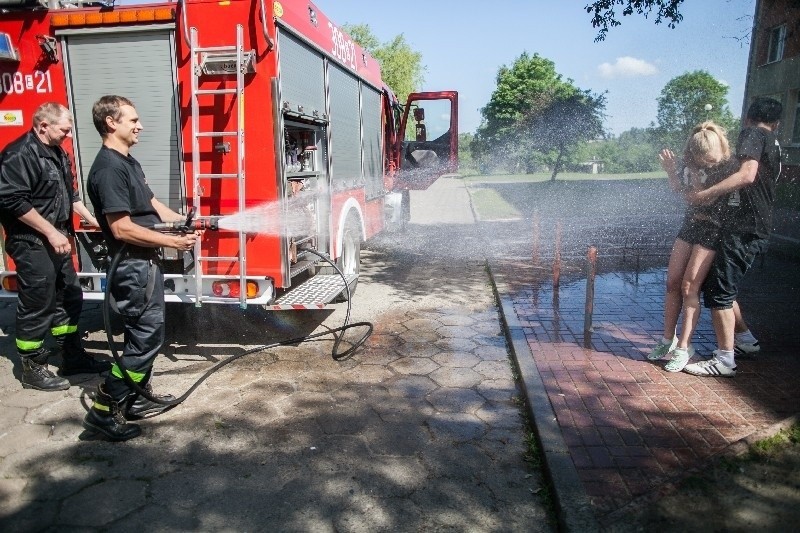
(189, 225)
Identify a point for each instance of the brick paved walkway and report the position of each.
(629, 426)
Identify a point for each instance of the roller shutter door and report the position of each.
(345, 129)
(302, 75)
(137, 65)
(373, 156)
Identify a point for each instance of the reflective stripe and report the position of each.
(29, 346)
(66, 329)
(137, 377)
(101, 407)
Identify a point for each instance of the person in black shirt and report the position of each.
(706, 161)
(747, 222)
(126, 207)
(37, 199)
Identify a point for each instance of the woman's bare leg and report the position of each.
(696, 271)
(673, 299)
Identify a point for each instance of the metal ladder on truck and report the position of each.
(209, 61)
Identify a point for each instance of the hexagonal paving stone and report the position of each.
(118, 497)
(456, 427)
(456, 377)
(499, 415)
(457, 345)
(22, 437)
(421, 324)
(456, 359)
(377, 356)
(418, 350)
(411, 386)
(498, 390)
(490, 340)
(493, 369)
(420, 336)
(491, 353)
(461, 332)
(454, 400)
(368, 374)
(458, 320)
(420, 366)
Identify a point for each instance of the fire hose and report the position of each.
(188, 226)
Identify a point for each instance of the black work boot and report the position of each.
(105, 418)
(137, 406)
(76, 360)
(37, 376)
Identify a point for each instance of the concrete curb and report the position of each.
(574, 510)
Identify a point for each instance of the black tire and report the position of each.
(349, 262)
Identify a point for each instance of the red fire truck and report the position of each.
(244, 103)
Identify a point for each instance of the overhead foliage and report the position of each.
(401, 65)
(535, 118)
(683, 104)
(605, 16)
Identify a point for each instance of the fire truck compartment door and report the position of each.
(428, 139)
(138, 65)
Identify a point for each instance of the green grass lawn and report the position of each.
(539, 177)
(504, 197)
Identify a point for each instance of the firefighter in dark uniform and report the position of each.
(37, 200)
(126, 207)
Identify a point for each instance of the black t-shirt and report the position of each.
(708, 177)
(117, 185)
(749, 209)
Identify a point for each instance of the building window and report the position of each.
(777, 38)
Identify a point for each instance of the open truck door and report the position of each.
(428, 139)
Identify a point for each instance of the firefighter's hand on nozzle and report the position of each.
(59, 242)
(185, 242)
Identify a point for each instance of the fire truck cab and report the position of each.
(264, 115)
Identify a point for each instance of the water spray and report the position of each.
(190, 225)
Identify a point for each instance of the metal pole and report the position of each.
(557, 256)
(536, 232)
(591, 272)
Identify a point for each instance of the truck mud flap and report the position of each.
(314, 293)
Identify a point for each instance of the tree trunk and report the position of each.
(557, 165)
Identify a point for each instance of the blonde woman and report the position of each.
(706, 161)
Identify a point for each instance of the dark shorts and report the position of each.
(701, 232)
(735, 256)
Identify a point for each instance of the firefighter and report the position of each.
(127, 208)
(37, 200)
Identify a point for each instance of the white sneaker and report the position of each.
(662, 349)
(746, 348)
(711, 368)
(679, 359)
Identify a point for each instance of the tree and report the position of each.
(556, 129)
(534, 117)
(604, 16)
(684, 103)
(401, 65)
(522, 87)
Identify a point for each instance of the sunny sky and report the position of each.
(463, 43)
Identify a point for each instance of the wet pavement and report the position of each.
(422, 428)
(618, 431)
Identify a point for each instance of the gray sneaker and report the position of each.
(662, 349)
(679, 359)
(746, 348)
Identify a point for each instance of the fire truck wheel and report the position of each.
(350, 260)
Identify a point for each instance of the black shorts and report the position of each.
(735, 256)
(702, 232)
